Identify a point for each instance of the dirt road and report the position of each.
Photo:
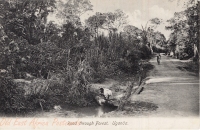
(175, 91)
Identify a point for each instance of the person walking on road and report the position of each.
(158, 58)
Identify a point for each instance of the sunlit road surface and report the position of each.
(175, 91)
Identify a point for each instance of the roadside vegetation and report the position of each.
(184, 39)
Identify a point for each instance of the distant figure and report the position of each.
(159, 55)
(158, 58)
(106, 93)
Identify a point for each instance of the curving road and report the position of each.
(175, 91)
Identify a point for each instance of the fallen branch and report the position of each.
(130, 90)
(124, 99)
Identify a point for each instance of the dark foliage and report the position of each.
(11, 97)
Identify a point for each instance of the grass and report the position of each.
(190, 67)
(140, 106)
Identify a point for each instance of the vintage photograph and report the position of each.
(99, 58)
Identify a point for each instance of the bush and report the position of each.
(14, 100)
(183, 56)
(53, 96)
(79, 92)
(130, 62)
(44, 94)
(11, 97)
(145, 52)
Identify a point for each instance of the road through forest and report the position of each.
(175, 91)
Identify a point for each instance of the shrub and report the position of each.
(79, 92)
(145, 52)
(11, 97)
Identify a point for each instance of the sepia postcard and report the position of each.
(99, 64)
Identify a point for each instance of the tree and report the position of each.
(52, 32)
(132, 30)
(117, 20)
(193, 23)
(26, 18)
(95, 22)
(132, 34)
(184, 26)
(158, 42)
(72, 10)
(148, 31)
(187, 3)
(111, 22)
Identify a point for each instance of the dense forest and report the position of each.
(184, 39)
(44, 64)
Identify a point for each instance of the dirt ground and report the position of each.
(174, 91)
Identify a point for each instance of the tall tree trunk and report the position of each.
(195, 50)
